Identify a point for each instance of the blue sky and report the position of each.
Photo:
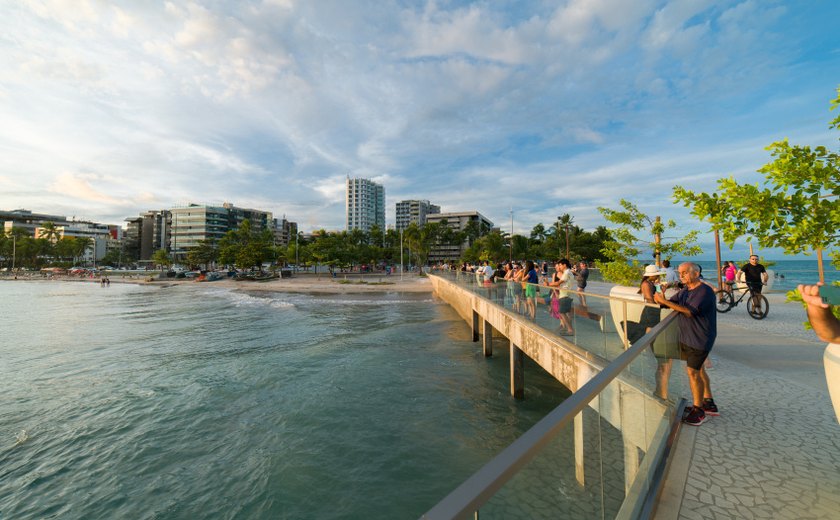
(113, 108)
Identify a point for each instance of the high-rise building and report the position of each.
(147, 233)
(365, 204)
(415, 211)
(284, 231)
(471, 222)
(193, 223)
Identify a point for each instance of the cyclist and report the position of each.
(755, 275)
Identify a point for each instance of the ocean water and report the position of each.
(788, 273)
(197, 402)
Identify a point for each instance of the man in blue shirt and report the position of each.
(695, 304)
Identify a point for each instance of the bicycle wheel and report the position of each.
(762, 311)
(723, 300)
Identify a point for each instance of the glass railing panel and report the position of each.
(600, 463)
(563, 481)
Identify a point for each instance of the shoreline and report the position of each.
(785, 318)
(299, 284)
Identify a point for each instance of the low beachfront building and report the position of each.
(458, 221)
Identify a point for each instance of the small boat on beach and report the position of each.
(257, 277)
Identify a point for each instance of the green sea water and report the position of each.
(195, 402)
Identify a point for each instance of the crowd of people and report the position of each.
(683, 290)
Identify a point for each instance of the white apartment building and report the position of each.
(415, 211)
(365, 204)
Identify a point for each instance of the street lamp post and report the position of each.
(511, 236)
(567, 241)
(402, 265)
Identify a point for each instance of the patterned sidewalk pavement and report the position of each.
(775, 450)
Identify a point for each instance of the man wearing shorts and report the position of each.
(697, 318)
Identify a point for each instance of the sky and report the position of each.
(535, 108)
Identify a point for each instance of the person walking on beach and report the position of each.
(697, 320)
(756, 276)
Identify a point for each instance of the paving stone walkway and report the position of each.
(775, 450)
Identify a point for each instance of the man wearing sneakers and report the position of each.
(695, 304)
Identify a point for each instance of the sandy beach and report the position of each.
(304, 283)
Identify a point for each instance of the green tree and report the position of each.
(112, 257)
(245, 247)
(491, 247)
(50, 233)
(420, 239)
(538, 234)
(626, 243)
(204, 253)
(161, 258)
(796, 209)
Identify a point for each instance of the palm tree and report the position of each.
(538, 233)
(50, 232)
(564, 222)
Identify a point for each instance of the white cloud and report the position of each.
(488, 105)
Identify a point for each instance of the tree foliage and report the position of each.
(795, 208)
(161, 257)
(205, 253)
(636, 231)
(246, 247)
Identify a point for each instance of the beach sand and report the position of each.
(303, 283)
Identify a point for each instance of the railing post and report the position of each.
(631, 463)
(579, 474)
(474, 325)
(624, 312)
(487, 338)
(517, 372)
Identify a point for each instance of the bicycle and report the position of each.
(726, 301)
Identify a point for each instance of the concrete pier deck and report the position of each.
(774, 452)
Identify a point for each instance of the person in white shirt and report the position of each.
(487, 271)
(672, 279)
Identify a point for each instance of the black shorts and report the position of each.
(694, 357)
(755, 286)
(565, 304)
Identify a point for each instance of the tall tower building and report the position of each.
(409, 211)
(365, 204)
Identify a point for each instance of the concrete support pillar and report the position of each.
(631, 463)
(487, 338)
(475, 325)
(517, 372)
(579, 474)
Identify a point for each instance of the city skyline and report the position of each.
(543, 110)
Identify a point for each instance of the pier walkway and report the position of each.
(774, 452)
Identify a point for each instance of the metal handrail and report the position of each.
(482, 485)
